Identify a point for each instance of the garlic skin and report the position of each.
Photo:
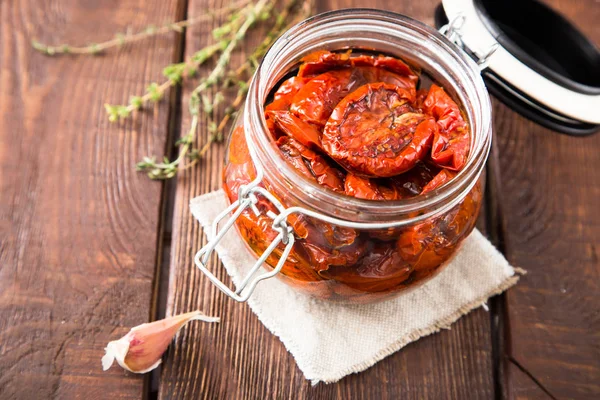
(141, 349)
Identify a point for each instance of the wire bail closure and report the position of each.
(247, 199)
(452, 31)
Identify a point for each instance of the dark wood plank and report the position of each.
(240, 358)
(78, 225)
(548, 196)
(523, 386)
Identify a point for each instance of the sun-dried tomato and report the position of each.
(400, 68)
(444, 176)
(317, 99)
(411, 183)
(323, 257)
(365, 188)
(239, 169)
(374, 75)
(290, 87)
(382, 269)
(238, 149)
(237, 175)
(374, 131)
(311, 164)
(451, 142)
(322, 61)
(258, 234)
(419, 180)
(282, 98)
(390, 63)
(296, 128)
(428, 244)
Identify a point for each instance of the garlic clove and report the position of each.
(142, 348)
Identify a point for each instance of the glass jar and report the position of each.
(331, 245)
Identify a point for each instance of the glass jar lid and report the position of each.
(536, 61)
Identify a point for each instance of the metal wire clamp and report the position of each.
(452, 31)
(247, 199)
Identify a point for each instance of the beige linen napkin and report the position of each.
(330, 341)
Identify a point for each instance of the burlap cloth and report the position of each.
(330, 340)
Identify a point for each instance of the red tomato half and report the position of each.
(411, 183)
(290, 87)
(365, 188)
(322, 61)
(322, 257)
(444, 176)
(285, 93)
(379, 270)
(282, 99)
(374, 75)
(374, 131)
(311, 164)
(392, 64)
(451, 143)
(317, 99)
(296, 128)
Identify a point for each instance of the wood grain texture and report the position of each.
(78, 225)
(548, 198)
(241, 359)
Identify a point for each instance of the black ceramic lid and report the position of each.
(537, 62)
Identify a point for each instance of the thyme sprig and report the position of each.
(281, 24)
(175, 73)
(227, 38)
(121, 39)
(187, 152)
(260, 11)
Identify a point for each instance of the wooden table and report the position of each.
(90, 248)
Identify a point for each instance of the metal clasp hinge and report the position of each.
(452, 30)
(247, 198)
